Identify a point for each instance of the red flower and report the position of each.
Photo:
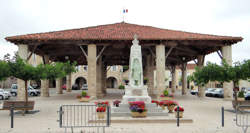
(100, 109)
(181, 109)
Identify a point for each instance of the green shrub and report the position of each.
(165, 92)
(241, 94)
(121, 87)
(84, 93)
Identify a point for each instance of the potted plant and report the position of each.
(181, 110)
(156, 102)
(78, 96)
(100, 112)
(166, 95)
(171, 105)
(138, 109)
(145, 80)
(126, 81)
(101, 109)
(241, 96)
(84, 97)
(116, 103)
(121, 87)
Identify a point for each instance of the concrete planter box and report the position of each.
(137, 114)
(180, 114)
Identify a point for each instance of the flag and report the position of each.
(125, 10)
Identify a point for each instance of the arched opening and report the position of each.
(35, 84)
(81, 83)
(112, 82)
(52, 83)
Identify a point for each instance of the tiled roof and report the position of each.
(120, 31)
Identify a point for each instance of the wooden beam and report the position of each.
(32, 52)
(83, 51)
(100, 53)
(195, 61)
(219, 53)
(152, 53)
(169, 51)
(187, 49)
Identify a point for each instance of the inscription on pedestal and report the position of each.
(137, 92)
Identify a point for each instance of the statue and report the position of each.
(136, 72)
(135, 90)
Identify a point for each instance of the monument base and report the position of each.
(124, 111)
(126, 99)
(136, 94)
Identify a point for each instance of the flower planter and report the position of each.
(171, 108)
(166, 98)
(84, 99)
(180, 114)
(101, 115)
(241, 99)
(137, 114)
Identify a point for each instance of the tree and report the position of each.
(4, 70)
(222, 73)
(20, 69)
(24, 71)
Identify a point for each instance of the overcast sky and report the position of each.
(220, 17)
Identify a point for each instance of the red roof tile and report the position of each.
(120, 31)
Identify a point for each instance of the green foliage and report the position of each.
(22, 70)
(165, 92)
(51, 71)
(69, 68)
(4, 70)
(84, 93)
(241, 94)
(125, 68)
(121, 87)
(221, 73)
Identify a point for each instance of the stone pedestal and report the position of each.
(227, 86)
(59, 86)
(184, 79)
(173, 83)
(23, 54)
(45, 83)
(160, 69)
(150, 75)
(45, 88)
(92, 70)
(136, 94)
(201, 89)
(68, 83)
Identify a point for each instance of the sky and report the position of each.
(218, 17)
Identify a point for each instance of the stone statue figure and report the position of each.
(136, 72)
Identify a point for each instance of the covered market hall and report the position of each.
(106, 45)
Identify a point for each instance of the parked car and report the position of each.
(194, 92)
(246, 90)
(247, 95)
(75, 87)
(219, 92)
(4, 94)
(35, 86)
(84, 87)
(31, 90)
(209, 91)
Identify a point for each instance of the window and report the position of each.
(113, 68)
